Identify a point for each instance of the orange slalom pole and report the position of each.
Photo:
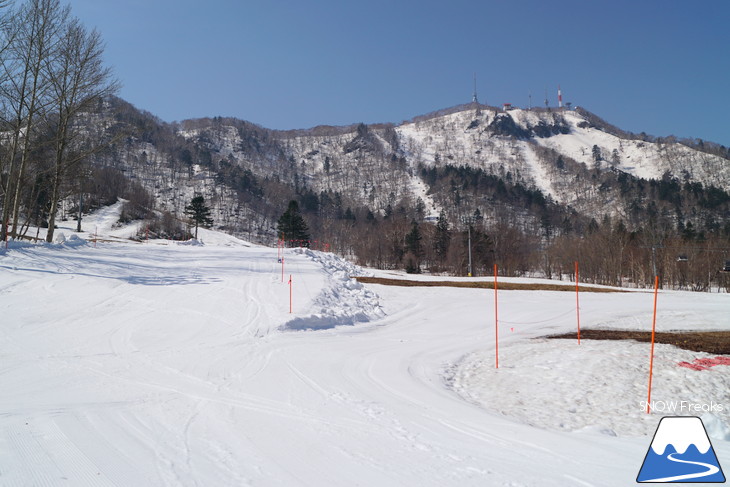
(282, 268)
(496, 322)
(577, 302)
(290, 300)
(653, 332)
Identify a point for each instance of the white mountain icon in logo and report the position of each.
(681, 452)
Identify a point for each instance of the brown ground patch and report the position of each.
(714, 342)
(505, 286)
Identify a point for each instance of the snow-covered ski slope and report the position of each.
(158, 364)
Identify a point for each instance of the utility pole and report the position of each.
(469, 221)
(81, 203)
(470, 268)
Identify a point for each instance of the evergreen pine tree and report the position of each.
(370, 218)
(199, 213)
(349, 215)
(292, 227)
(413, 240)
(597, 156)
(414, 249)
(442, 239)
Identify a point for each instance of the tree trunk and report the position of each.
(54, 205)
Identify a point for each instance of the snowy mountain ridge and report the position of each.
(493, 140)
(467, 136)
(570, 157)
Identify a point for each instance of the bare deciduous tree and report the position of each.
(31, 36)
(78, 80)
(51, 73)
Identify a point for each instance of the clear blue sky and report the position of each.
(658, 66)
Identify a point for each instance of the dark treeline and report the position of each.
(525, 233)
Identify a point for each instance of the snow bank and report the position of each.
(192, 242)
(715, 427)
(60, 241)
(14, 244)
(72, 241)
(342, 301)
(597, 385)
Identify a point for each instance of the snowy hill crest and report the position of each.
(571, 157)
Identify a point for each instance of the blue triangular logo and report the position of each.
(681, 452)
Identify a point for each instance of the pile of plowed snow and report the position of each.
(342, 301)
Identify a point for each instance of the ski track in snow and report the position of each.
(131, 364)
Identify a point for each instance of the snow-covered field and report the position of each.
(127, 364)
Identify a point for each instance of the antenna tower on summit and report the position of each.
(560, 98)
(474, 99)
(474, 96)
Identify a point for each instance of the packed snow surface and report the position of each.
(180, 365)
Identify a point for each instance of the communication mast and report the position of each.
(560, 98)
(474, 99)
(474, 96)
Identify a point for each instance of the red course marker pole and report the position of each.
(282, 268)
(653, 331)
(496, 322)
(290, 300)
(577, 302)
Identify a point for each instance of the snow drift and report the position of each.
(343, 300)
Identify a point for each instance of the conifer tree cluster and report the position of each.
(199, 213)
(292, 228)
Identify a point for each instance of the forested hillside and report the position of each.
(536, 189)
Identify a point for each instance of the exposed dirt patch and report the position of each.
(506, 286)
(715, 342)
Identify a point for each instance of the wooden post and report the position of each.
(653, 332)
(577, 301)
(496, 322)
